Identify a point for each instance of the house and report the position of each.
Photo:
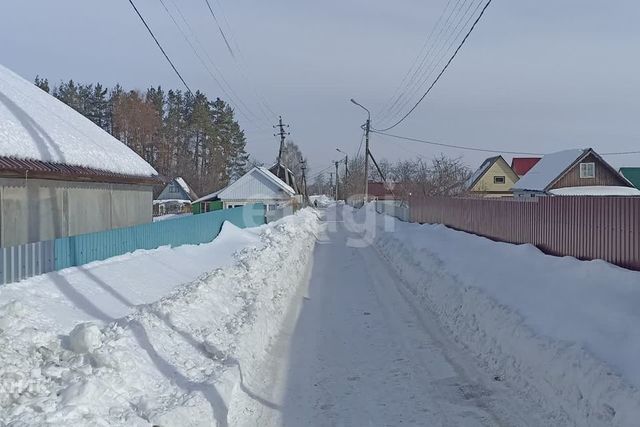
(522, 165)
(631, 174)
(175, 198)
(60, 174)
(256, 186)
(494, 178)
(285, 175)
(572, 172)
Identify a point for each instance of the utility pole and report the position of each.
(366, 159)
(337, 179)
(346, 173)
(303, 164)
(282, 134)
(367, 128)
(330, 181)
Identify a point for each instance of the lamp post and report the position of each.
(367, 127)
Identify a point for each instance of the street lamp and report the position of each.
(367, 127)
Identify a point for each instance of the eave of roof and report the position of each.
(482, 170)
(37, 169)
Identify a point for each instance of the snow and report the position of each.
(548, 169)
(286, 187)
(360, 353)
(183, 184)
(596, 191)
(36, 126)
(170, 216)
(163, 201)
(561, 328)
(159, 337)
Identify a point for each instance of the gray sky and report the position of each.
(534, 76)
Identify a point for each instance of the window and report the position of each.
(587, 170)
(499, 180)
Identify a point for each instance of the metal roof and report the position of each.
(31, 169)
(632, 175)
(522, 165)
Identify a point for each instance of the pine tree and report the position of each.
(42, 84)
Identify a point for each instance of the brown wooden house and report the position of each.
(572, 172)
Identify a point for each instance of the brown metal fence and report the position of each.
(587, 228)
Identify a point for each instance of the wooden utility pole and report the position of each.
(366, 159)
(303, 166)
(337, 179)
(282, 134)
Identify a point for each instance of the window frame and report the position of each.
(495, 179)
(584, 169)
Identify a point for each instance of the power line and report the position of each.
(417, 59)
(442, 71)
(462, 18)
(222, 82)
(424, 65)
(485, 150)
(160, 46)
(460, 147)
(238, 59)
(224, 37)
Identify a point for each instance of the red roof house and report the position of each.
(522, 165)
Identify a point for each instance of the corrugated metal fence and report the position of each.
(20, 262)
(587, 228)
(393, 208)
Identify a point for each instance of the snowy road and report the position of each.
(359, 353)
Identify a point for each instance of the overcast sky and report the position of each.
(534, 76)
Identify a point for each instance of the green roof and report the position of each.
(632, 174)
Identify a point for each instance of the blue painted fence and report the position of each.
(191, 230)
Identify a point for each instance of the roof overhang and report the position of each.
(36, 169)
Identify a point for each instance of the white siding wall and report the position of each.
(253, 186)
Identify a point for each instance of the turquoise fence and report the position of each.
(191, 230)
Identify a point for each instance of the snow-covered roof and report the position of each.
(36, 126)
(187, 189)
(480, 171)
(548, 169)
(286, 187)
(251, 186)
(208, 196)
(596, 190)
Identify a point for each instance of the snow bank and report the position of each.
(596, 190)
(177, 361)
(563, 330)
(36, 126)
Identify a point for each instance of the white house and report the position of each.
(60, 174)
(256, 186)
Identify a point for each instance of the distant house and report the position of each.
(572, 172)
(256, 186)
(60, 174)
(381, 191)
(175, 198)
(522, 165)
(632, 174)
(285, 175)
(494, 178)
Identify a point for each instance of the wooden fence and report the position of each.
(587, 228)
